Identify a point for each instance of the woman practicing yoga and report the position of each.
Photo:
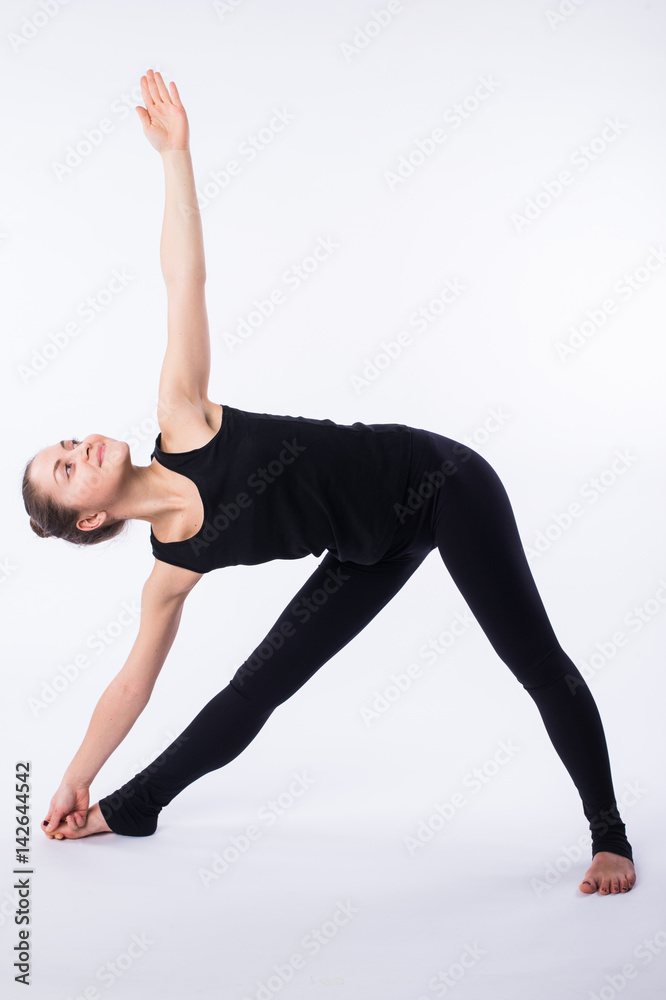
(227, 486)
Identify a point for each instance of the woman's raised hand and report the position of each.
(164, 119)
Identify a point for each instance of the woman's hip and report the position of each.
(441, 468)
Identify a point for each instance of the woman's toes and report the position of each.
(63, 832)
(95, 823)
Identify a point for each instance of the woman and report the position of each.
(227, 486)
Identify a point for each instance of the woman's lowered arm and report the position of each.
(122, 702)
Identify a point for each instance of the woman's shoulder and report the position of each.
(185, 426)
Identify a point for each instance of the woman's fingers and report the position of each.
(152, 87)
(161, 88)
(155, 91)
(176, 96)
(145, 93)
(157, 88)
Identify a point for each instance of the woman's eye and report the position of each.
(67, 465)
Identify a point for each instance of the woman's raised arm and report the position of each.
(186, 368)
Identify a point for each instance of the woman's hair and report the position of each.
(50, 519)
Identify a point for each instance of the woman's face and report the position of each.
(83, 475)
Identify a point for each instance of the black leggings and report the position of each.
(454, 501)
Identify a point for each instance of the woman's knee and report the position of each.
(539, 672)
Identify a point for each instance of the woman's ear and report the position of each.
(92, 522)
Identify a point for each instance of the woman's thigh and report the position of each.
(475, 530)
(334, 604)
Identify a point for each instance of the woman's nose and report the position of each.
(82, 450)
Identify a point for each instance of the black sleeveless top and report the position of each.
(282, 487)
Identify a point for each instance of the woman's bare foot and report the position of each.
(608, 873)
(95, 823)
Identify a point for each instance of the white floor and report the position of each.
(317, 905)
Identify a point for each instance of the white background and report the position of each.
(557, 80)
